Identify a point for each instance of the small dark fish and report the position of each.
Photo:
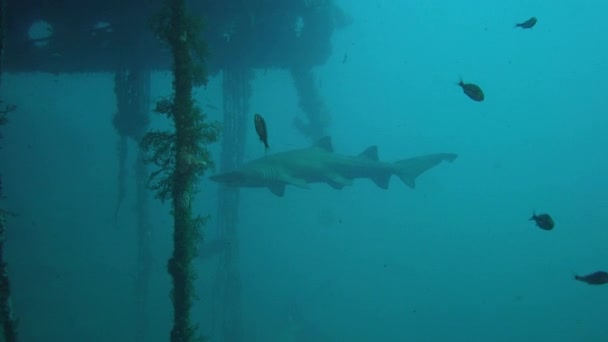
(260, 128)
(543, 221)
(528, 24)
(472, 90)
(596, 278)
(345, 58)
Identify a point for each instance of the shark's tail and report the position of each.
(409, 169)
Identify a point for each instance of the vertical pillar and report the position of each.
(132, 88)
(181, 156)
(8, 329)
(144, 255)
(237, 93)
(7, 322)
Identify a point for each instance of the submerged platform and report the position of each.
(62, 36)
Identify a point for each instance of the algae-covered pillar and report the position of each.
(181, 156)
(8, 326)
(132, 89)
(236, 93)
(2, 31)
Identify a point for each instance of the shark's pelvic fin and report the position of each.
(338, 181)
(381, 180)
(325, 144)
(409, 169)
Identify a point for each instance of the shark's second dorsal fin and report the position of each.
(324, 143)
(370, 153)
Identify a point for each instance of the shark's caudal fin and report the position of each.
(409, 169)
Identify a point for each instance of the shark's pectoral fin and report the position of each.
(277, 189)
(337, 181)
(299, 182)
(335, 185)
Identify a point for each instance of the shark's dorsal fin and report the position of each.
(370, 153)
(324, 143)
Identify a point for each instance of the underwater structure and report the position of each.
(195, 39)
(105, 35)
(132, 90)
(8, 324)
(237, 91)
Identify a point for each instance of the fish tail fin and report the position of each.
(409, 169)
(533, 215)
(575, 276)
(460, 82)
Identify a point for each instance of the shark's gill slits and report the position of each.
(274, 174)
(269, 173)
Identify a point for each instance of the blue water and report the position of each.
(456, 259)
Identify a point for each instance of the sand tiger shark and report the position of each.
(319, 164)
